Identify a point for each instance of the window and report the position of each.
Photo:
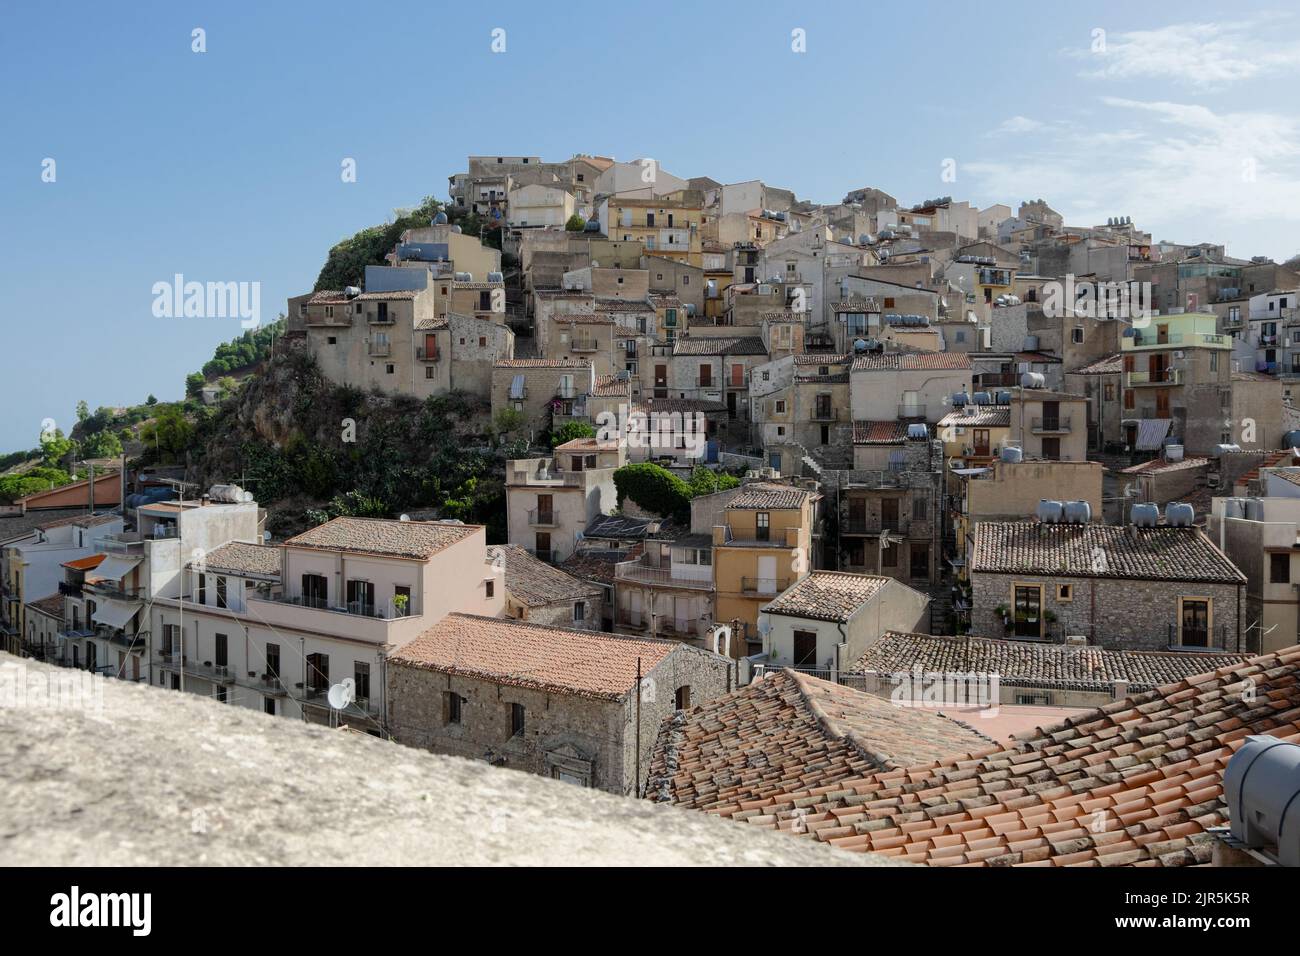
(361, 678)
(268, 705)
(1279, 568)
(388, 369)
(805, 649)
(332, 340)
(516, 720)
(219, 653)
(579, 611)
(221, 592)
(453, 702)
(682, 699)
(1214, 361)
(1027, 607)
(1194, 618)
(428, 371)
(780, 406)
(203, 589)
(318, 672)
(273, 661)
(1065, 592)
(490, 588)
(1076, 336)
(1109, 391)
(763, 526)
(221, 694)
(918, 509)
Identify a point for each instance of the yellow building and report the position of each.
(667, 226)
(763, 546)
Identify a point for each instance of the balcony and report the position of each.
(772, 586)
(342, 321)
(584, 345)
(379, 348)
(423, 354)
(658, 577)
(376, 317)
(826, 415)
(566, 391)
(541, 519)
(911, 411)
(1164, 376)
(355, 608)
(872, 526)
(1050, 425)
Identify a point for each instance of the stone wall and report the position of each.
(1120, 614)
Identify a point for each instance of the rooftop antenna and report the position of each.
(340, 695)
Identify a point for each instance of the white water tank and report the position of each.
(1179, 514)
(1050, 512)
(1012, 455)
(918, 431)
(1255, 509)
(1078, 512)
(1033, 380)
(1173, 452)
(1262, 788)
(1146, 515)
(1234, 507)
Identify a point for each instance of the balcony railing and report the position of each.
(771, 586)
(564, 391)
(663, 577)
(355, 608)
(376, 317)
(911, 411)
(541, 519)
(825, 415)
(428, 355)
(329, 321)
(584, 345)
(379, 348)
(1050, 424)
(872, 525)
(1166, 376)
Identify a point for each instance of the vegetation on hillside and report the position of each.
(659, 491)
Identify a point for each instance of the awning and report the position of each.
(971, 471)
(112, 613)
(1151, 433)
(114, 566)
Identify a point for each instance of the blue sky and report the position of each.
(225, 165)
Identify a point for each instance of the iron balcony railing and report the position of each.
(544, 519)
(1061, 424)
(911, 411)
(663, 577)
(584, 345)
(428, 355)
(764, 585)
(380, 348)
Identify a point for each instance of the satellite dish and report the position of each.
(341, 695)
(404, 518)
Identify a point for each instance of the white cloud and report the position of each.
(1176, 168)
(1018, 124)
(1201, 55)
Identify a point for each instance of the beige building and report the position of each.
(537, 389)
(829, 619)
(667, 226)
(1259, 535)
(889, 385)
(1050, 425)
(535, 205)
(550, 501)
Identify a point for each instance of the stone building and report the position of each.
(558, 702)
(541, 594)
(539, 389)
(1127, 588)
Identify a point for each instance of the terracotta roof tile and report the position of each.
(535, 583)
(403, 539)
(583, 663)
(1096, 550)
(891, 432)
(827, 596)
(240, 557)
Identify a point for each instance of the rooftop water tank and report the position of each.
(1077, 512)
(1291, 439)
(983, 398)
(464, 277)
(1262, 788)
(1033, 380)
(227, 493)
(495, 277)
(1002, 398)
(440, 219)
(960, 399)
(917, 431)
(1234, 507)
(1179, 514)
(1012, 455)
(456, 229)
(1146, 515)
(1255, 509)
(1173, 452)
(1049, 511)
(352, 291)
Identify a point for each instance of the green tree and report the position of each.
(654, 488)
(83, 410)
(194, 383)
(151, 400)
(55, 448)
(571, 430)
(40, 478)
(575, 224)
(346, 263)
(102, 444)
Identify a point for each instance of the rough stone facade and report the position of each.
(591, 739)
(1122, 614)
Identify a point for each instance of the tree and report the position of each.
(656, 489)
(575, 224)
(194, 383)
(347, 261)
(571, 430)
(55, 448)
(102, 444)
(151, 400)
(83, 410)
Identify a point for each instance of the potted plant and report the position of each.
(400, 601)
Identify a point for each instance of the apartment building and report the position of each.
(916, 385)
(712, 368)
(537, 206)
(666, 225)
(328, 606)
(1259, 536)
(762, 544)
(800, 408)
(1048, 424)
(573, 705)
(540, 388)
(891, 505)
(1177, 383)
(1120, 587)
(549, 501)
